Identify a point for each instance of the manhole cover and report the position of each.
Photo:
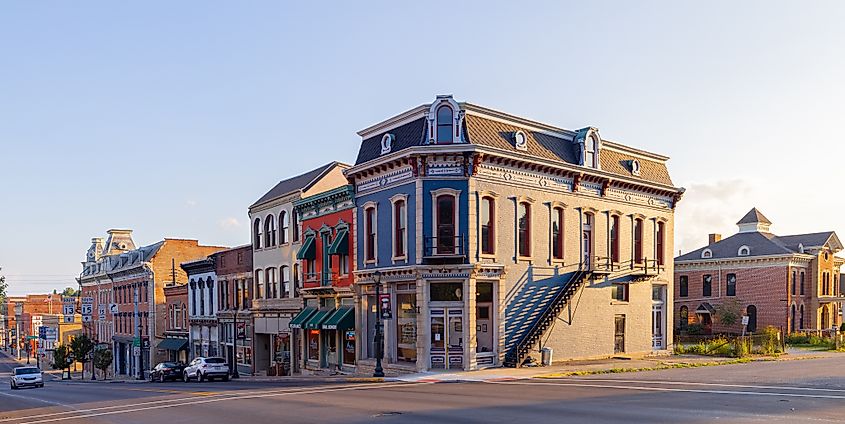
(386, 414)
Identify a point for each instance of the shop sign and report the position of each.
(384, 301)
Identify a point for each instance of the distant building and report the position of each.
(203, 299)
(117, 274)
(234, 281)
(175, 342)
(790, 282)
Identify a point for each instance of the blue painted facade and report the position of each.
(384, 216)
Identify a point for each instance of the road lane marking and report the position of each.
(167, 403)
(668, 389)
(683, 383)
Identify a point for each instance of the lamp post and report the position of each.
(235, 373)
(18, 313)
(379, 337)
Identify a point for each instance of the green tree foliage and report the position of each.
(81, 346)
(61, 357)
(729, 312)
(103, 359)
(69, 292)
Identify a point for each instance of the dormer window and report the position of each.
(444, 124)
(706, 254)
(590, 153)
(744, 251)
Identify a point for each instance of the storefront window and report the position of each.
(314, 345)
(245, 355)
(447, 292)
(438, 332)
(406, 326)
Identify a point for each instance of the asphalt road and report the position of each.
(770, 392)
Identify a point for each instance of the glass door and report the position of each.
(447, 338)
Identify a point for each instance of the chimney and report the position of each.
(714, 238)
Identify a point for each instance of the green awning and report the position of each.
(343, 318)
(308, 250)
(314, 322)
(173, 344)
(340, 245)
(303, 316)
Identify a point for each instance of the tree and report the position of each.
(61, 357)
(69, 292)
(102, 360)
(729, 312)
(81, 346)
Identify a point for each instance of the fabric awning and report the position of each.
(342, 318)
(308, 250)
(173, 344)
(314, 322)
(303, 316)
(340, 245)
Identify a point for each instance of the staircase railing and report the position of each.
(521, 348)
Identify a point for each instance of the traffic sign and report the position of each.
(32, 337)
(86, 309)
(86, 318)
(113, 308)
(69, 318)
(101, 311)
(51, 334)
(87, 300)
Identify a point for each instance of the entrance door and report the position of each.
(587, 241)
(657, 314)
(447, 338)
(619, 336)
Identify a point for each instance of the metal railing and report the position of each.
(445, 246)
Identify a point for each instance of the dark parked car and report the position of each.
(167, 371)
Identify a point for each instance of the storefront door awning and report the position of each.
(342, 319)
(173, 344)
(308, 250)
(314, 322)
(299, 320)
(340, 245)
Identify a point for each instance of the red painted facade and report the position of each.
(339, 276)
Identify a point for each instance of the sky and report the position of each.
(171, 118)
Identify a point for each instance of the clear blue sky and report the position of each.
(170, 118)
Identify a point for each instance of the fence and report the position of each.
(768, 343)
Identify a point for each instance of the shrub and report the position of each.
(771, 341)
(695, 329)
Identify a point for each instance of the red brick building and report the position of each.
(175, 340)
(234, 284)
(789, 282)
(328, 320)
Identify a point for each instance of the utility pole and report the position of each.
(136, 350)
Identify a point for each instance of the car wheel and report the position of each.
(41, 385)
(12, 386)
(185, 377)
(200, 377)
(225, 378)
(161, 378)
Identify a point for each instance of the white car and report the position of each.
(206, 368)
(26, 376)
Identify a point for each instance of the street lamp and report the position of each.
(235, 373)
(379, 337)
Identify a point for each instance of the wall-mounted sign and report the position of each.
(384, 301)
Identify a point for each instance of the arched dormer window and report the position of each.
(706, 254)
(445, 123)
(269, 231)
(256, 234)
(744, 251)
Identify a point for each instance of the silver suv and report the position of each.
(26, 376)
(206, 368)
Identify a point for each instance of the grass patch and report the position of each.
(662, 366)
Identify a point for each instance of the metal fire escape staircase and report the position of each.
(533, 304)
(533, 307)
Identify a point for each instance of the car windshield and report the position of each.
(215, 361)
(25, 371)
(168, 364)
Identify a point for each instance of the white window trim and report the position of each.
(706, 254)
(741, 248)
(552, 207)
(457, 217)
(516, 201)
(283, 225)
(495, 196)
(365, 207)
(393, 256)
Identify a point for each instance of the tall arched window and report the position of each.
(284, 224)
(446, 224)
(370, 234)
(269, 231)
(400, 224)
(614, 238)
(751, 311)
(801, 317)
(284, 273)
(660, 243)
(259, 287)
(256, 234)
(557, 233)
(638, 241)
(270, 283)
(488, 226)
(587, 241)
(523, 225)
(444, 124)
(295, 225)
(792, 320)
(730, 290)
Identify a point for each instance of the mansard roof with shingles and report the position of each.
(765, 244)
(495, 130)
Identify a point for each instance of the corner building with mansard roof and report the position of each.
(495, 236)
